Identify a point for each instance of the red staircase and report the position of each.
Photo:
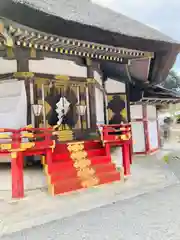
(79, 165)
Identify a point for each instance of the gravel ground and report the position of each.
(152, 216)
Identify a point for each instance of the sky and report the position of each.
(164, 15)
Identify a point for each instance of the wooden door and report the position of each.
(73, 93)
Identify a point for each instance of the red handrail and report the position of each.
(121, 136)
(38, 141)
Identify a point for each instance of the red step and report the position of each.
(60, 166)
(109, 177)
(92, 145)
(110, 167)
(100, 160)
(65, 175)
(61, 157)
(75, 184)
(96, 152)
(64, 157)
(72, 173)
(67, 186)
(61, 148)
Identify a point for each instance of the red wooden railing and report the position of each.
(119, 135)
(39, 141)
(24, 142)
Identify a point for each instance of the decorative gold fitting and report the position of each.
(10, 53)
(88, 62)
(27, 135)
(23, 75)
(61, 77)
(13, 155)
(43, 160)
(53, 145)
(91, 80)
(27, 145)
(6, 146)
(2, 136)
(33, 53)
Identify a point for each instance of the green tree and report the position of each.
(172, 81)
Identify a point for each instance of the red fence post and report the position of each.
(48, 156)
(105, 138)
(17, 167)
(131, 150)
(126, 159)
(108, 149)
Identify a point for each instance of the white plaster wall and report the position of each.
(57, 67)
(98, 77)
(151, 112)
(113, 86)
(7, 66)
(136, 111)
(138, 137)
(99, 106)
(153, 134)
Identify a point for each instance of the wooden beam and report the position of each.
(92, 97)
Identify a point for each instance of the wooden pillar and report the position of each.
(22, 56)
(105, 100)
(91, 92)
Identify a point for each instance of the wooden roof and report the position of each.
(156, 94)
(87, 13)
(83, 20)
(19, 35)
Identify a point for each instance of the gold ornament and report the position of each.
(79, 155)
(6, 146)
(13, 155)
(90, 183)
(82, 165)
(75, 147)
(86, 173)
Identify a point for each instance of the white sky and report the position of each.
(164, 15)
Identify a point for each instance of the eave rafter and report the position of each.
(156, 101)
(28, 38)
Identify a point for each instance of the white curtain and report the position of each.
(99, 108)
(13, 104)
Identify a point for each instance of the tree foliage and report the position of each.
(172, 81)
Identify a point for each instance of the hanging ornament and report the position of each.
(62, 107)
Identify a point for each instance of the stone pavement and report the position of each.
(151, 216)
(148, 174)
